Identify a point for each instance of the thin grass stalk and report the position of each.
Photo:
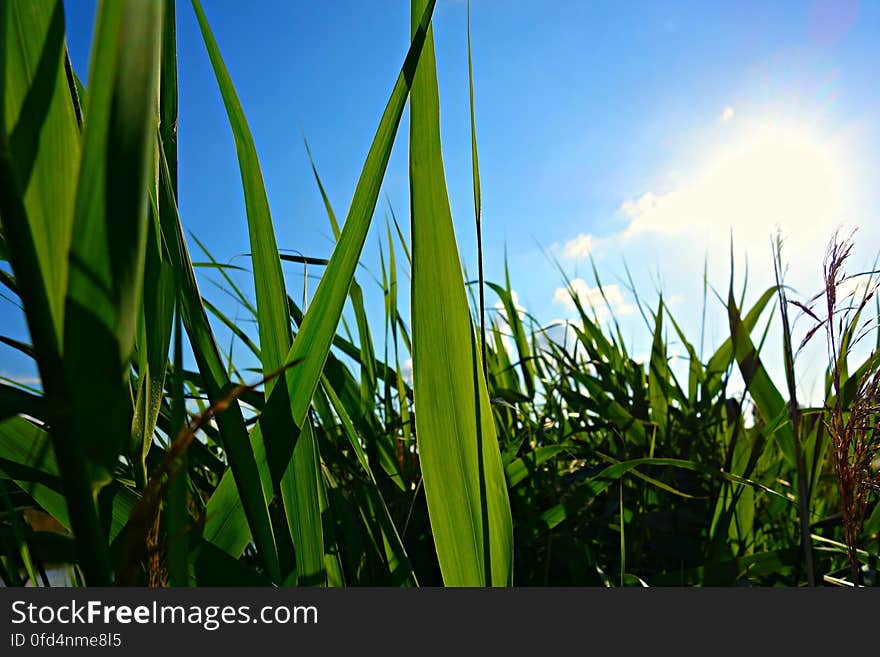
(178, 542)
(475, 165)
(794, 411)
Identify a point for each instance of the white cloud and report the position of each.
(407, 372)
(726, 115)
(580, 247)
(644, 204)
(664, 213)
(592, 298)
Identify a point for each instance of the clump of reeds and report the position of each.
(856, 439)
(852, 419)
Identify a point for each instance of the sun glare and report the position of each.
(766, 176)
(775, 176)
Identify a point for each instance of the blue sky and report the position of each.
(645, 132)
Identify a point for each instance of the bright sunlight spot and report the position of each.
(772, 175)
(779, 175)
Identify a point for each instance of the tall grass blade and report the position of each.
(299, 486)
(154, 333)
(458, 450)
(39, 152)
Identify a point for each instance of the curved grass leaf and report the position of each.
(599, 483)
(318, 329)
(299, 481)
(316, 334)
(27, 458)
(760, 386)
(521, 468)
(249, 488)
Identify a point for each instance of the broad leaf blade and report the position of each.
(458, 449)
(39, 149)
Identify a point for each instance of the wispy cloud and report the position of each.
(22, 379)
(726, 115)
